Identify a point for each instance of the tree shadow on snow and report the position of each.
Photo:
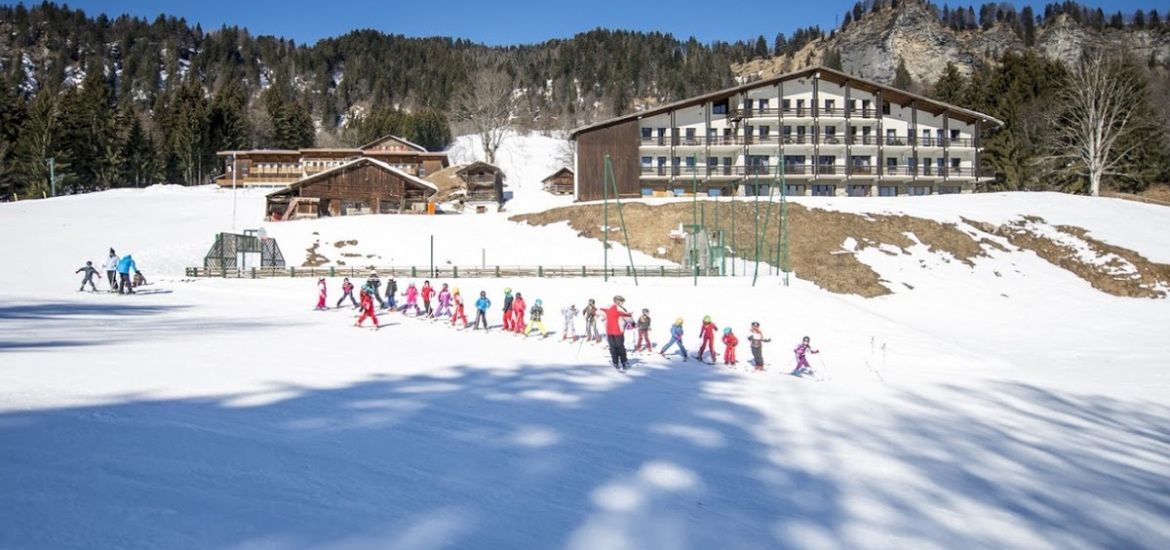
(537, 457)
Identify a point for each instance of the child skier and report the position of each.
(368, 292)
(590, 313)
(676, 334)
(756, 339)
(459, 314)
(347, 291)
(391, 294)
(427, 292)
(707, 336)
(507, 309)
(535, 315)
(569, 314)
(411, 296)
(518, 307)
(481, 307)
(321, 294)
(801, 351)
(376, 285)
(444, 303)
(89, 273)
(643, 332)
(729, 343)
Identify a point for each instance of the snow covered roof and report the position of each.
(557, 173)
(389, 137)
(320, 175)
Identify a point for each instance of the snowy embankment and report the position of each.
(1008, 404)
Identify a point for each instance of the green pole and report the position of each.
(763, 234)
(782, 230)
(722, 249)
(622, 217)
(432, 255)
(756, 230)
(734, 254)
(695, 220)
(605, 221)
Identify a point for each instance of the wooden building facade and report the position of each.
(560, 182)
(362, 186)
(277, 168)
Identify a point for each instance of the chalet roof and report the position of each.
(386, 137)
(479, 164)
(557, 173)
(448, 182)
(320, 175)
(891, 94)
(258, 152)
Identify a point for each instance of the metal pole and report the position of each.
(622, 217)
(483, 258)
(782, 243)
(764, 232)
(756, 230)
(605, 220)
(432, 255)
(734, 253)
(52, 177)
(233, 192)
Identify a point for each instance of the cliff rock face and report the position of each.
(871, 47)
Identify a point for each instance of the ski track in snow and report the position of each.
(1020, 410)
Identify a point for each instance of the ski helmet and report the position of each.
(755, 324)
(508, 290)
(706, 318)
(482, 294)
(645, 311)
(726, 330)
(538, 301)
(591, 301)
(678, 321)
(444, 285)
(805, 339)
(618, 298)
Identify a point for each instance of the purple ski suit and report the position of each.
(801, 352)
(444, 304)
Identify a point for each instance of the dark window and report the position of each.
(885, 107)
(954, 135)
(647, 161)
(887, 191)
(824, 190)
(763, 104)
(786, 104)
(764, 131)
(647, 133)
(830, 104)
(719, 107)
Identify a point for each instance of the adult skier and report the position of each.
(411, 296)
(368, 293)
(125, 265)
(89, 273)
(643, 332)
(508, 323)
(481, 307)
(444, 303)
(376, 284)
(801, 351)
(391, 294)
(427, 292)
(614, 316)
(676, 335)
(347, 292)
(111, 267)
(756, 340)
(707, 336)
(518, 307)
(536, 316)
(729, 343)
(569, 330)
(459, 314)
(590, 313)
(321, 292)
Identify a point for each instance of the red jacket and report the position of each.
(367, 301)
(707, 331)
(613, 315)
(346, 287)
(730, 340)
(427, 292)
(518, 307)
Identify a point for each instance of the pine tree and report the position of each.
(950, 86)
(228, 123)
(833, 59)
(137, 167)
(1028, 20)
(34, 146)
(12, 114)
(902, 78)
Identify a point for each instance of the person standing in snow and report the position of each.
(518, 307)
(569, 314)
(347, 291)
(676, 336)
(614, 316)
(375, 283)
(707, 336)
(391, 294)
(368, 293)
(125, 266)
(444, 303)
(427, 292)
(321, 292)
(729, 343)
(643, 332)
(481, 307)
(111, 267)
(590, 314)
(756, 340)
(89, 273)
(459, 314)
(508, 310)
(536, 315)
(411, 296)
(802, 351)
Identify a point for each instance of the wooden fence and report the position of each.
(452, 272)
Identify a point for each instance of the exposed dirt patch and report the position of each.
(350, 255)
(314, 258)
(343, 244)
(815, 240)
(1110, 269)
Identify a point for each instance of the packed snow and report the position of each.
(1012, 407)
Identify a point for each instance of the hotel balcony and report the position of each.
(772, 113)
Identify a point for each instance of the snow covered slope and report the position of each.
(1022, 410)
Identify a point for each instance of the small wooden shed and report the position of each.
(362, 186)
(560, 182)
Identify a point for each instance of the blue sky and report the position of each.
(511, 22)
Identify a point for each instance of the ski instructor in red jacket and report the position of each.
(614, 333)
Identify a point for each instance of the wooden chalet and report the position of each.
(560, 182)
(360, 186)
(483, 186)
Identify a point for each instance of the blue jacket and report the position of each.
(126, 264)
(483, 304)
(676, 332)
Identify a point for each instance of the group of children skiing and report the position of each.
(519, 318)
(118, 271)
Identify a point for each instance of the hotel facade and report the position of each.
(820, 131)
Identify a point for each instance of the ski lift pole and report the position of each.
(733, 251)
(694, 251)
(756, 229)
(622, 217)
(605, 221)
(782, 237)
(764, 233)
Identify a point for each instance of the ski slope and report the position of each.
(1021, 410)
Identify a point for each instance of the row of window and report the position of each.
(800, 160)
(856, 105)
(648, 134)
(796, 189)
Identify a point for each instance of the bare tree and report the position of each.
(1097, 103)
(488, 105)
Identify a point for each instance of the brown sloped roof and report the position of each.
(319, 175)
(480, 164)
(405, 142)
(894, 95)
(557, 173)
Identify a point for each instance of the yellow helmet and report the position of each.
(456, 290)
(678, 321)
